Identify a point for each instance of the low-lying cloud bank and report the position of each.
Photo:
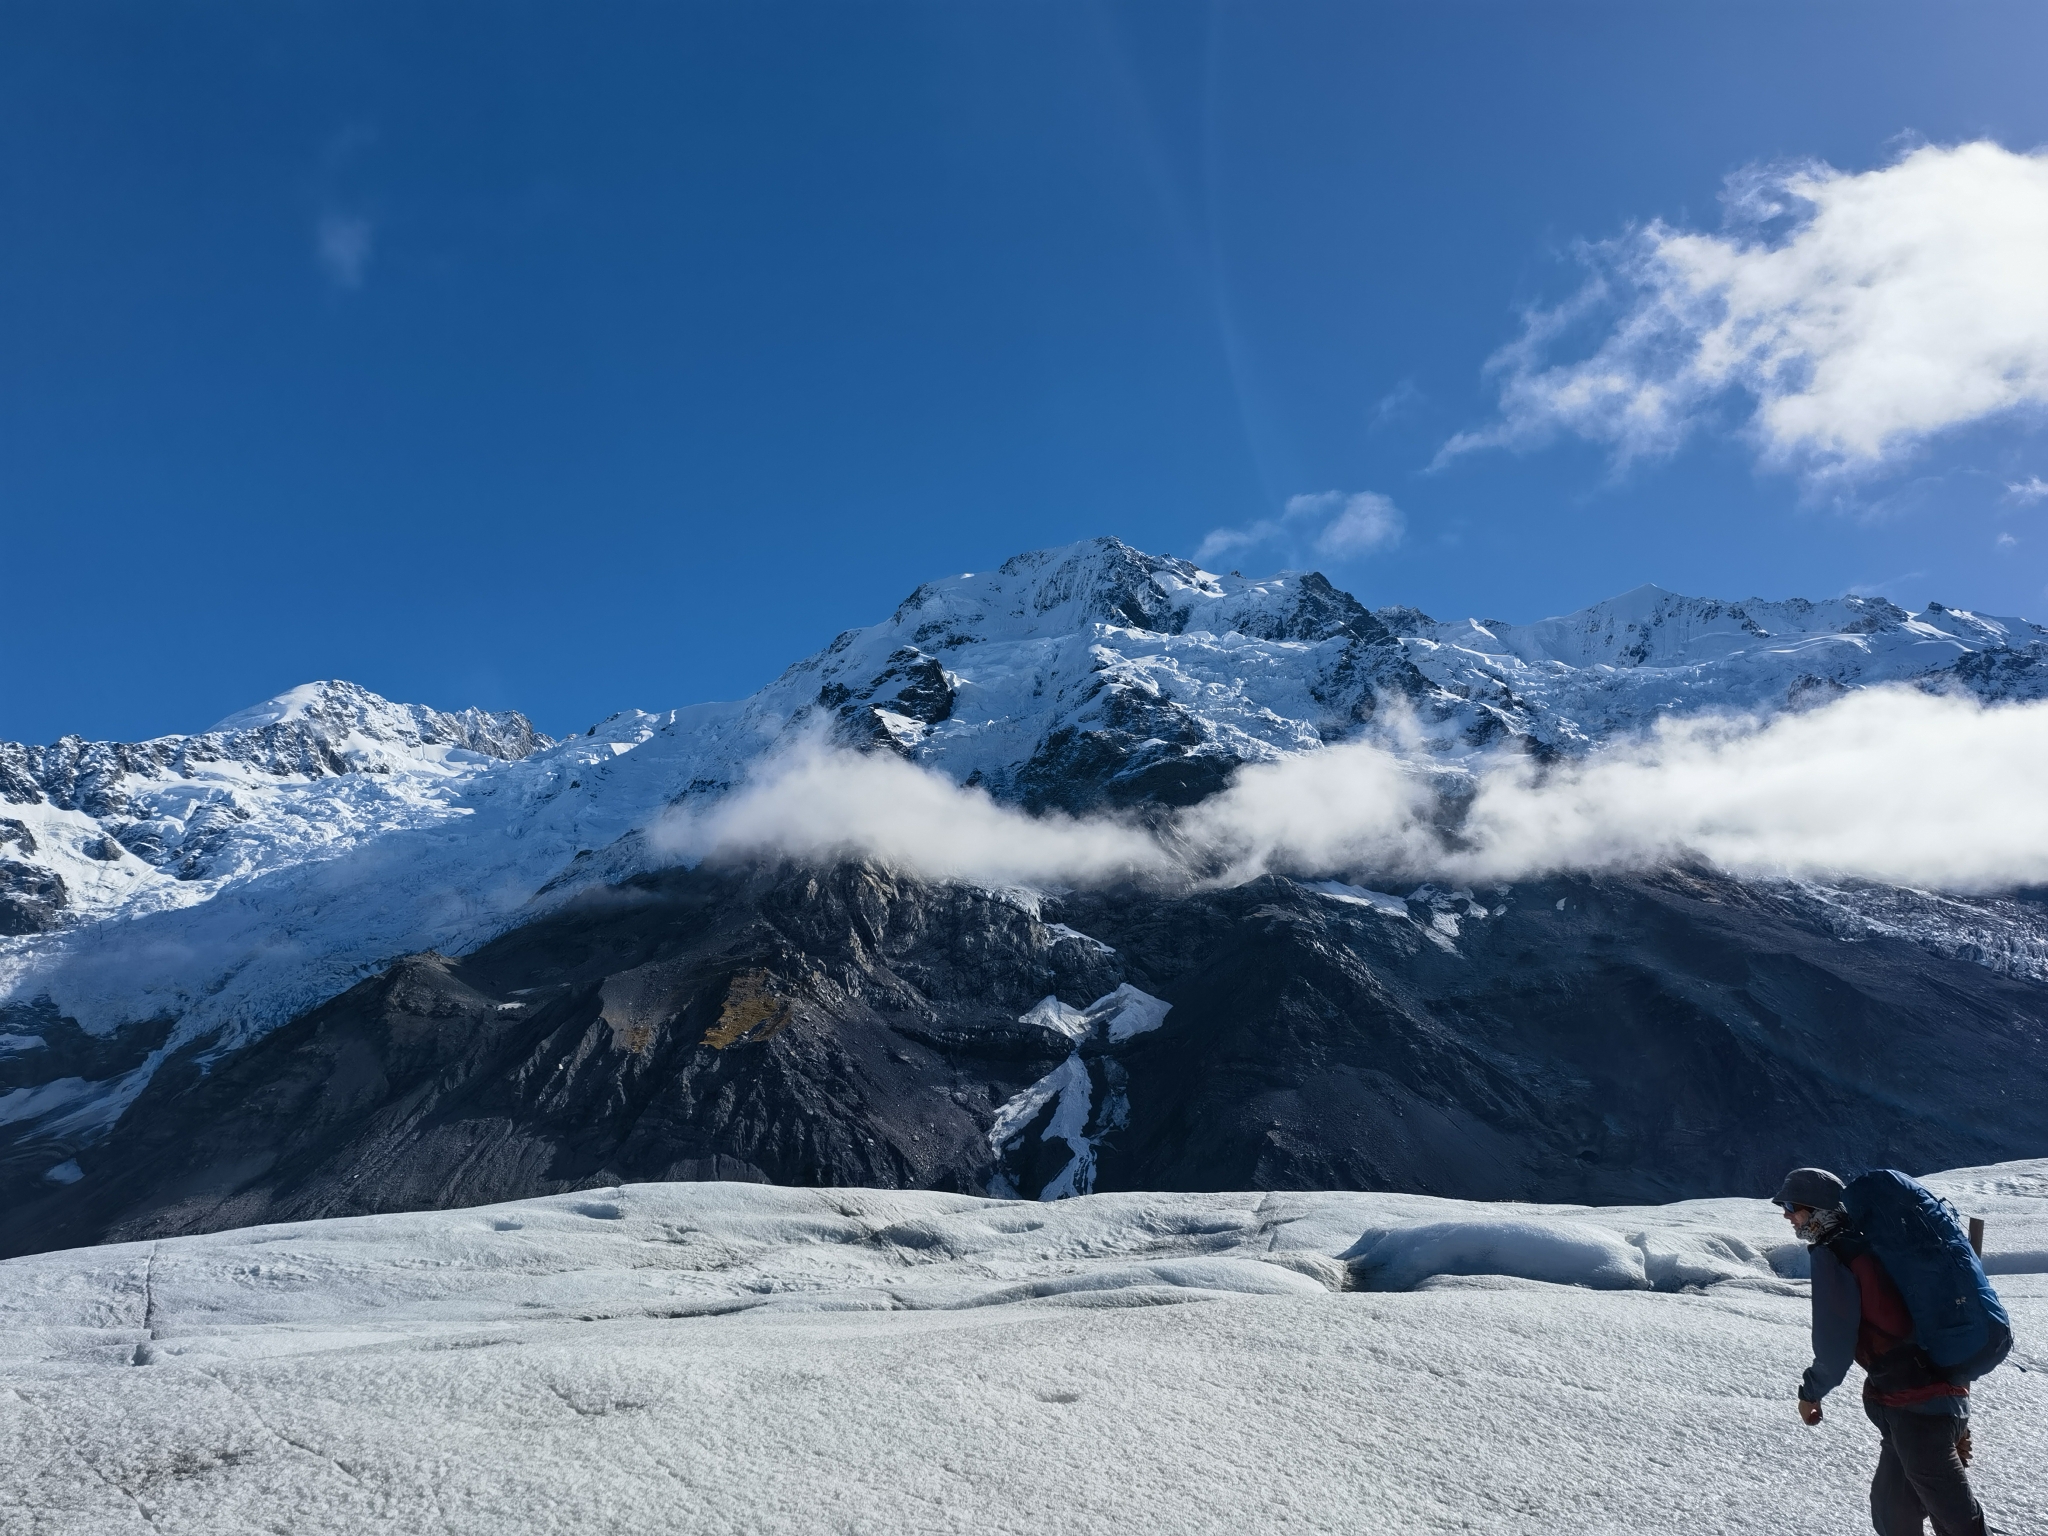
(818, 804)
(1890, 785)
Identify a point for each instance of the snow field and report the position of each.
(737, 1358)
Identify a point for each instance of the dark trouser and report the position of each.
(1919, 1476)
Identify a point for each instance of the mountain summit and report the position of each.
(126, 827)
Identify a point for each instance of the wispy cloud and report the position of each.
(1889, 588)
(1351, 525)
(1398, 403)
(1857, 315)
(342, 245)
(1838, 791)
(2031, 489)
(1335, 525)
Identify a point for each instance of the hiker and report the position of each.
(1878, 1245)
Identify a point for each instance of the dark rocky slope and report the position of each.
(1607, 1040)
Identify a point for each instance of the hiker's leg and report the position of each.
(1894, 1507)
(1925, 1445)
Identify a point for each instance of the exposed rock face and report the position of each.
(39, 1047)
(840, 1030)
(2015, 674)
(1625, 1039)
(1657, 1037)
(32, 900)
(895, 707)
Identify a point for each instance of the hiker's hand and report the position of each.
(1809, 1412)
(1963, 1447)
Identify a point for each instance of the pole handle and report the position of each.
(1977, 1235)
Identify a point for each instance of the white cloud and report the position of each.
(1858, 315)
(1362, 522)
(1885, 784)
(817, 804)
(2006, 541)
(1219, 542)
(1889, 785)
(1336, 525)
(342, 244)
(2033, 488)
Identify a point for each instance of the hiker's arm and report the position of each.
(1837, 1309)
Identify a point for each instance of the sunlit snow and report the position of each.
(739, 1358)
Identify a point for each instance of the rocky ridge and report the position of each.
(1570, 683)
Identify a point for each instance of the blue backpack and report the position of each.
(1957, 1318)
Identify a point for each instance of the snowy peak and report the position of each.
(96, 826)
(1650, 627)
(1104, 582)
(1097, 673)
(1572, 681)
(313, 731)
(338, 711)
(1058, 591)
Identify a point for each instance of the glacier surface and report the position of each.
(723, 1358)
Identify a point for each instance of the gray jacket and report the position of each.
(1837, 1313)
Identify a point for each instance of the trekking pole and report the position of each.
(1977, 1235)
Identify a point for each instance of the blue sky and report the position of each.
(575, 358)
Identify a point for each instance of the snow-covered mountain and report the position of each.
(193, 892)
(1097, 673)
(119, 827)
(1572, 682)
(1072, 677)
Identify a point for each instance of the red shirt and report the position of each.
(1886, 1326)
